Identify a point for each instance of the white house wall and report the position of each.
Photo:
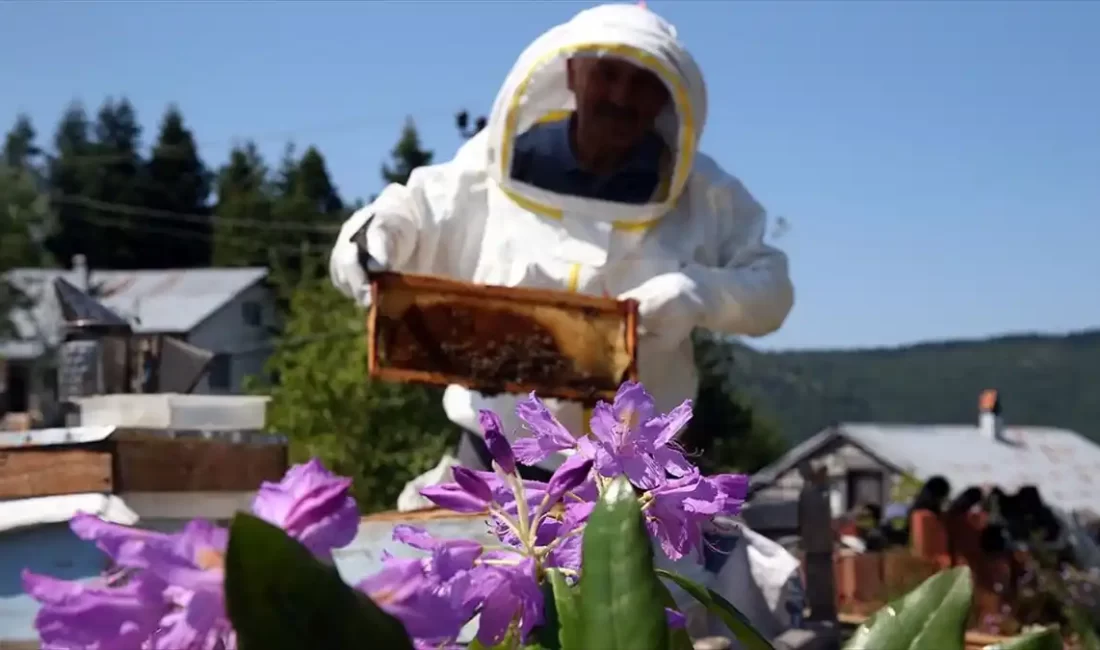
(227, 332)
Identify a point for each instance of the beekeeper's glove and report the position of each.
(669, 307)
(346, 268)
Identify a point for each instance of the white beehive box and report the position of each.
(175, 411)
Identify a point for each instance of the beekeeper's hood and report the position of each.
(536, 91)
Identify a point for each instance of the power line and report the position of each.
(169, 215)
(102, 222)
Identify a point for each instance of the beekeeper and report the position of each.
(588, 178)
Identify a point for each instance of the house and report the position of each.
(228, 311)
(867, 462)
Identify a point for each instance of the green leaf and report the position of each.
(280, 597)
(1049, 638)
(623, 606)
(567, 607)
(931, 617)
(738, 623)
(677, 639)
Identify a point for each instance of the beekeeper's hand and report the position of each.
(669, 307)
(349, 268)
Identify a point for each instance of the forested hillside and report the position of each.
(1043, 380)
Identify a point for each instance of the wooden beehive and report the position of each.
(112, 460)
(498, 339)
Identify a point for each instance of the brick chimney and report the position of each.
(990, 423)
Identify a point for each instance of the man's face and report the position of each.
(617, 102)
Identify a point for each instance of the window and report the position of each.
(864, 487)
(253, 313)
(218, 372)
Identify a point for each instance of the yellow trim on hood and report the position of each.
(684, 111)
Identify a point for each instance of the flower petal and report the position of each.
(75, 615)
(451, 497)
(570, 475)
(472, 484)
(542, 423)
(498, 445)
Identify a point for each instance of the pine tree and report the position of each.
(25, 216)
(69, 175)
(307, 214)
(20, 150)
(118, 188)
(178, 182)
(407, 156)
(244, 202)
(315, 184)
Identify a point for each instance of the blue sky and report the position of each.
(939, 162)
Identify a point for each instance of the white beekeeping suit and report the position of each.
(693, 257)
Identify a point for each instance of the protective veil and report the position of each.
(693, 256)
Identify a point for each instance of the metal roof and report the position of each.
(1063, 464)
(170, 301)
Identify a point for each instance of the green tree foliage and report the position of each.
(245, 201)
(69, 174)
(25, 215)
(381, 434)
(407, 155)
(307, 212)
(20, 150)
(1043, 381)
(178, 192)
(725, 432)
(119, 178)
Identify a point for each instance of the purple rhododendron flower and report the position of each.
(631, 439)
(431, 609)
(541, 524)
(96, 615)
(508, 595)
(548, 435)
(312, 505)
(176, 577)
(167, 593)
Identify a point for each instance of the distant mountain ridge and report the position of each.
(1047, 380)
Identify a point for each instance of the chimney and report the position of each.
(990, 423)
(83, 275)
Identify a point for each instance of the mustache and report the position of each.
(615, 112)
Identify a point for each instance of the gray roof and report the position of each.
(163, 301)
(1064, 465)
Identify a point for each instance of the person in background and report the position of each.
(932, 496)
(895, 524)
(966, 501)
(868, 520)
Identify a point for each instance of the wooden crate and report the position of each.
(137, 461)
(497, 339)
